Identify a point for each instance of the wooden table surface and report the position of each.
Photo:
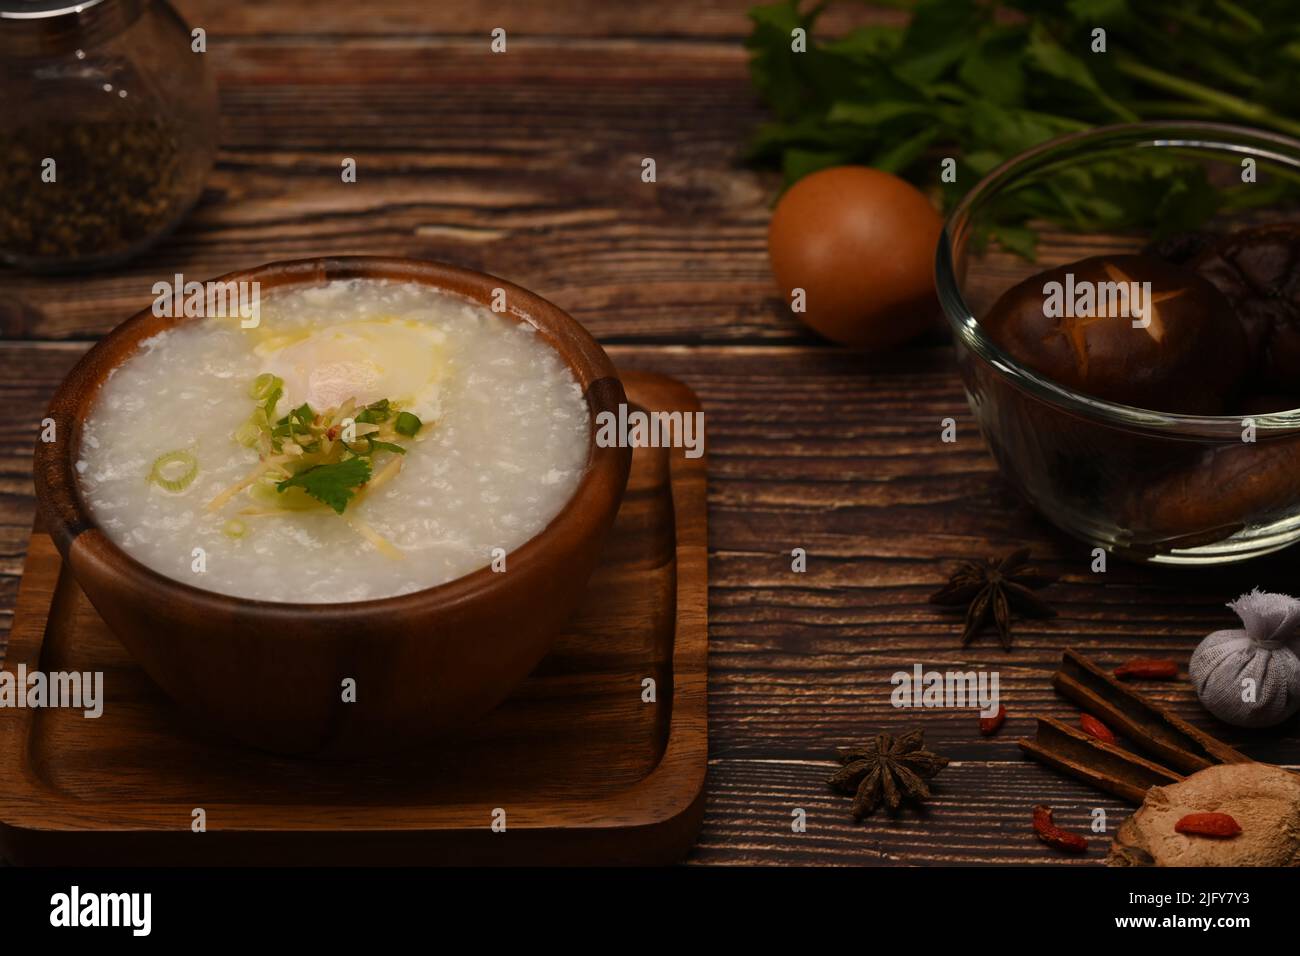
(527, 164)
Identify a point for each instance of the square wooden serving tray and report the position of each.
(584, 769)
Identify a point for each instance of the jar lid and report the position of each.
(54, 27)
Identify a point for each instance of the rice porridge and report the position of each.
(368, 438)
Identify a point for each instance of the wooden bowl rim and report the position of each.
(58, 491)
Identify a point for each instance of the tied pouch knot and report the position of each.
(1250, 677)
(1270, 620)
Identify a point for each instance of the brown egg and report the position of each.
(861, 244)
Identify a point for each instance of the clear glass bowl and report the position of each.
(107, 129)
(1148, 485)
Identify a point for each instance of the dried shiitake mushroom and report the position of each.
(1182, 351)
(1262, 799)
(1258, 270)
(1225, 486)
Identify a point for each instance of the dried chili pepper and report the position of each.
(990, 725)
(1053, 835)
(1148, 669)
(1095, 728)
(1218, 825)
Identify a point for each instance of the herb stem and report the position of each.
(1202, 58)
(1226, 102)
(1179, 108)
(1118, 108)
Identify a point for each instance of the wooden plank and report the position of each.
(979, 814)
(528, 166)
(29, 373)
(661, 18)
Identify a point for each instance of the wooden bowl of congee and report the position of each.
(354, 515)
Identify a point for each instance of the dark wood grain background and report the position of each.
(528, 165)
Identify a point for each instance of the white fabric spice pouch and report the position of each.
(1251, 677)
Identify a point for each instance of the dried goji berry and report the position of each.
(1053, 835)
(990, 725)
(1148, 669)
(1095, 728)
(1219, 825)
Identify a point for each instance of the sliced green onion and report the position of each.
(375, 413)
(250, 432)
(264, 386)
(234, 528)
(247, 433)
(407, 424)
(174, 471)
(267, 389)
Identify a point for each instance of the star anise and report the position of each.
(887, 770)
(993, 590)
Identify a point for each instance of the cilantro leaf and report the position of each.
(334, 484)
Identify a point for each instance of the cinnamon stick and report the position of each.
(1101, 764)
(1150, 726)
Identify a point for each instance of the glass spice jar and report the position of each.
(107, 130)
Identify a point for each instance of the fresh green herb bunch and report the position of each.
(983, 81)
